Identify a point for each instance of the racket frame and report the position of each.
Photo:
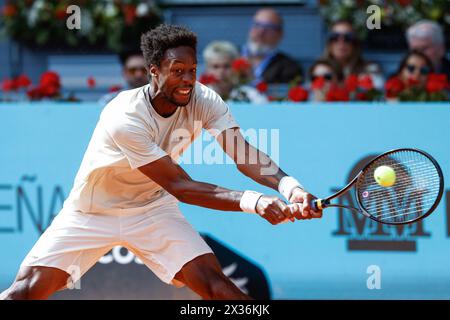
(325, 203)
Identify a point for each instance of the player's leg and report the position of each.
(204, 276)
(36, 283)
(69, 247)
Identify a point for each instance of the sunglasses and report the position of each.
(266, 26)
(412, 68)
(326, 76)
(134, 70)
(348, 37)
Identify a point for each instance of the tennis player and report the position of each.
(127, 189)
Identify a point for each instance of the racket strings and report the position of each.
(416, 187)
(384, 194)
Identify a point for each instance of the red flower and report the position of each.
(351, 82)
(9, 85)
(50, 78)
(23, 81)
(60, 13)
(337, 94)
(297, 94)
(9, 10)
(413, 82)
(361, 96)
(393, 87)
(115, 88)
(436, 83)
(262, 87)
(318, 83)
(49, 91)
(207, 79)
(404, 3)
(91, 82)
(49, 86)
(365, 82)
(129, 12)
(34, 93)
(241, 65)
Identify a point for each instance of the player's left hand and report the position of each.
(302, 209)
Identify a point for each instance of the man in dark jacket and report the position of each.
(269, 64)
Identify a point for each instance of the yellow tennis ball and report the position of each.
(384, 176)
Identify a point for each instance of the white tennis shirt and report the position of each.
(130, 134)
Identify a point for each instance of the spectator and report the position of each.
(427, 36)
(414, 69)
(133, 71)
(219, 57)
(344, 48)
(269, 64)
(323, 75)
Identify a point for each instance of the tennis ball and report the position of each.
(384, 176)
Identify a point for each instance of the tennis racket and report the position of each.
(416, 190)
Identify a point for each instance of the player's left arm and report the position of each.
(258, 166)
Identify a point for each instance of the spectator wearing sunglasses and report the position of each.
(427, 36)
(344, 48)
(134, 73)
(323, 74)
(219, 57)
(269, 63)
(415, 68)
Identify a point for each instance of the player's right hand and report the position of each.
(274, 210)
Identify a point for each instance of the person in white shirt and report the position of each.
(127, 189)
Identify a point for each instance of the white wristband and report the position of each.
(249, 200)
(287, 185)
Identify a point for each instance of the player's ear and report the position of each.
(153, 71)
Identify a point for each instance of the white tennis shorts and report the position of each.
(161, 237)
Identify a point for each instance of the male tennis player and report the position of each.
(127, 188)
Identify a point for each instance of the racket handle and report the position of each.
(314, 205)
(319, 202)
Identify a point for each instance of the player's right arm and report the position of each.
(170, 176)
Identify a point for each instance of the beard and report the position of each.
(180, 103)
(258, 49)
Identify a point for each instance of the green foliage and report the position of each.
(108, 24)
(394, 13)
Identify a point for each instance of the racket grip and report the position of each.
(314, 205)
(319, 204)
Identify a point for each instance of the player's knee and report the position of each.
(32, 285)
(22, 289)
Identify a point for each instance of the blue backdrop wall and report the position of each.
(42, 145)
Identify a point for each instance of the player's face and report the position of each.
(176, 75)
